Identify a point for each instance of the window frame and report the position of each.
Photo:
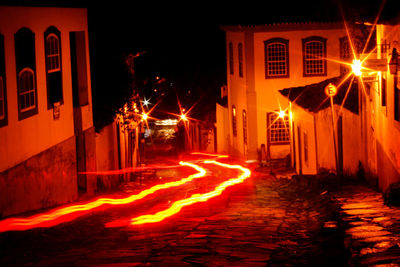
(272, 118)
(53, 55)
(32, 109)
(230, 56)
(234, 121)
(2, 99)
(321, 40)
(285, 44)
(25, 56)
(345, 55)
(54, 81)
(240, 59)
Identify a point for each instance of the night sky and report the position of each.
(182, 40)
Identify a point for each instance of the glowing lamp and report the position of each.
(394, 61)
(146, 102)
(356, 67)
(144, 116)
(183, 117)
(330, 90)
(282, 114)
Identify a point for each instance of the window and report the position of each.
(26, 76)
(52, 53)
(383, 91)
(240, 51)
(278, 129)
(230, 58)
(3, 98)
(26, 90)
(314, 54)
(244, 127)
(53, 66)
(345, 55)
(234, 129)
(276, 58)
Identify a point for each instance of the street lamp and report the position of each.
(356, 67)
(330, 91)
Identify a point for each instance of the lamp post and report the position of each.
(330, 91)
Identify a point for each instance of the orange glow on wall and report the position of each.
(69, 213)
(178, 205)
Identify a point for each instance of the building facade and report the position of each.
(47, 138)
(261, 60)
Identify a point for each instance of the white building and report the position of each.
(46, 126)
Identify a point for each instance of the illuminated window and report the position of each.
(240, 51)
(26, 73)
(314, 54)
(278, 129)
(230, 58)
(244, 127)
(26, 90)
(234, 129)
(345, 55)
(276, 58)
(2, 100)
(53, 66)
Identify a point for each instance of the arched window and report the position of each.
(26, 90)
(240, 59)
(314, 56)
(53, 66)
(276, 58)
(234, 127)
(26, 73)
(52, 53)
(230, 51)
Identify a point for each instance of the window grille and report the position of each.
(240, 51)
(244, 127)
(278, 129)
(345, 55)
(276, 58)
(53, 53)
(26, 91)
(230, 58)
(314, 53)
(234, 128)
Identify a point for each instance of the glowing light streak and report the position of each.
(195, 198)
(356, 67)
(71, 212)
(210, 154)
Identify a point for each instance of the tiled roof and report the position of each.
(312, 97)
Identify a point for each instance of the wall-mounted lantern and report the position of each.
(394, 62)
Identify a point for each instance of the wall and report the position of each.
(23, 139)
(268, 97)
(45, 180)
(222, 126)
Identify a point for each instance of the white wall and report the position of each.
(20, 140)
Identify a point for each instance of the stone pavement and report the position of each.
(272, 219)
(372, 228)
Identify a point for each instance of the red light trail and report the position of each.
(69, 213)
(178, 205)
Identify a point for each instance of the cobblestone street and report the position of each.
(270, 219)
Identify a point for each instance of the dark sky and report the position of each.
(182, 39)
